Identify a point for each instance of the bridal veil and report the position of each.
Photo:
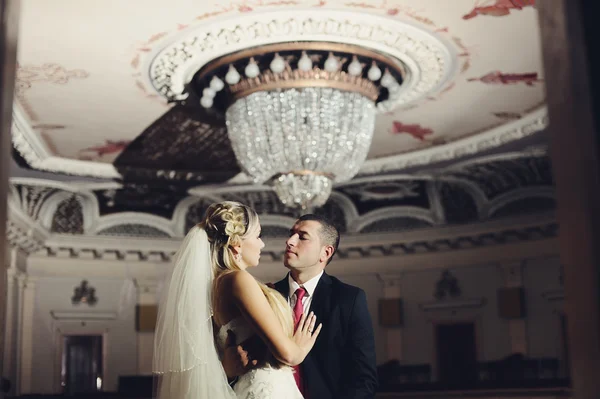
(186, 363)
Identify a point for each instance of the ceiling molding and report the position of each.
(531, 152)
(29, 144)
(495, 137)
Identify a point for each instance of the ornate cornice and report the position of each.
(127, 250)
(526, 126)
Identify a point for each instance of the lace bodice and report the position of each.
(259, 383)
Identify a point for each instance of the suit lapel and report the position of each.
(283, 287)
(321, 301)
(314, 366)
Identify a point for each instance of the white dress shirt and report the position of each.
(309, 286)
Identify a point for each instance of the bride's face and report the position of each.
(251, 247)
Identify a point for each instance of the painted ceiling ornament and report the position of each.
(498, 8)
(84, 294)
(500, 78)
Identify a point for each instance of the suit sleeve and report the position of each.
(359, 365)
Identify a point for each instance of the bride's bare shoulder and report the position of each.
(236, 279)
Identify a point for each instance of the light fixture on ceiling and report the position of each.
(300, 116)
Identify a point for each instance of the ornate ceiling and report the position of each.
(89, 100)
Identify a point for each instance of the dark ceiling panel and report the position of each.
(179, 148)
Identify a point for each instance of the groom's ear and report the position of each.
(326, 253)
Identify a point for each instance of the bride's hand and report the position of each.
(306, 334)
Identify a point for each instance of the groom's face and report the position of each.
(303, 247)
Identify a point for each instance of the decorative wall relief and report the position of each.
(84, 294)
(449, 299)
(498, 8)
(447, 286)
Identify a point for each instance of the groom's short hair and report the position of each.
(330, 235)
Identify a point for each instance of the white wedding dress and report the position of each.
(260, 383)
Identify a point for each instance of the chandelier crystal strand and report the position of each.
(304, 139)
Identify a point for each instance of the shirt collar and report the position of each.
(309, 286)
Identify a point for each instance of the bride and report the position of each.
(209, 285)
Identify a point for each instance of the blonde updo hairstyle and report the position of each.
(227, 224)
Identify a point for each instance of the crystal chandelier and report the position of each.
(302, 117)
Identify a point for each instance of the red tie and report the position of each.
(298, 310)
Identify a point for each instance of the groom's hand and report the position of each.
(236, 360)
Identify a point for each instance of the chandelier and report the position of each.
(300, 116)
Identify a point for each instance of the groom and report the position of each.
(342, 364)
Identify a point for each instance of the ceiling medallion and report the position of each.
(301, 115)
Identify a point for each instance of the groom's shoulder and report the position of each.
(344, 289)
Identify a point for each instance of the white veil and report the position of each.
(186, 364)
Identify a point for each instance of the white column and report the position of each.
(393, 335)
(146, 295)
(26, 334)
(513, 277)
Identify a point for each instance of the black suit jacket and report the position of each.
(342, 363)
